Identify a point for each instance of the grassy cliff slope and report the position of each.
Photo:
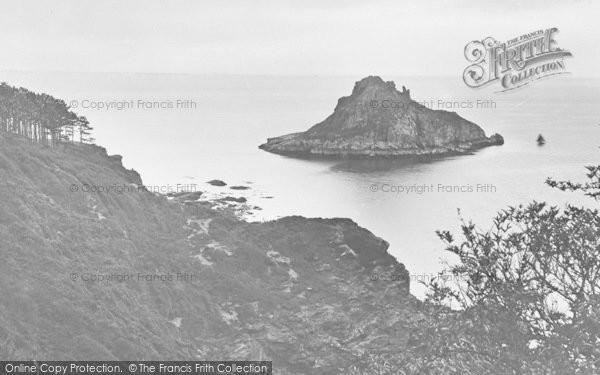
(181, 280)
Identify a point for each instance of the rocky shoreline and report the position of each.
(297, 291)
(311, 149)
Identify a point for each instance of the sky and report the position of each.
(282, 37)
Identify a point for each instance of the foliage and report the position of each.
(40, 117)
(522, 298)
(528, 292)
(373, 364)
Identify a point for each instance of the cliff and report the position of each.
(296, 291)
(378, 120)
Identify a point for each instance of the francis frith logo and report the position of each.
(514, 63)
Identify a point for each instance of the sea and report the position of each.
(181, 130)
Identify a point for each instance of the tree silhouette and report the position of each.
(40, 117)
(528, 292)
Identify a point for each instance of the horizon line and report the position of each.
(246, 74)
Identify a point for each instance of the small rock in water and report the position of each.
(216, 183)
(239, 187)
(233, 199)
(540, 140)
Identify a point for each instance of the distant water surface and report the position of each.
(234, 114)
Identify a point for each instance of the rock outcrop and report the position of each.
(379, 120)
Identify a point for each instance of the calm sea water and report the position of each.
(234, 114)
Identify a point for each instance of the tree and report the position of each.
(528, 293)
(84, 129)
(39, 117)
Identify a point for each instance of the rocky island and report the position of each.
(379, 120)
